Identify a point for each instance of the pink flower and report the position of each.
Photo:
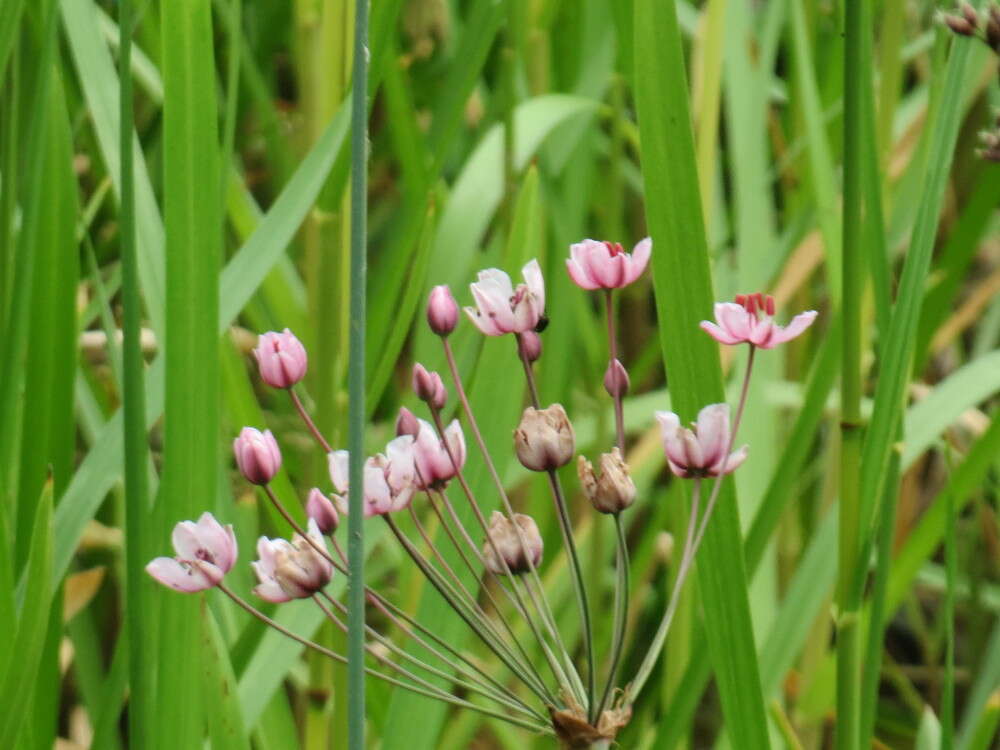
(291, 570)
(429, 387)
(321, 509)
(389, 478)
(700, 452)
(257, 455)
(502, 309)
(442, 310)
(282, 359)
(434, 467)
(206, 551)
(750, 320)
(604, 265)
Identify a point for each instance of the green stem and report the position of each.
(356, 383)
(848, 626)
(621, 611)
(134, 402)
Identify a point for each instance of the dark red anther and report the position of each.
(614, 248)
(751, 304)
(741, 300)
(769, 306)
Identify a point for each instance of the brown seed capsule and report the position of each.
(544, 440)
(611, 492)
(505, 541)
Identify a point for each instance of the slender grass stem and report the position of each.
(740, 408)
(310, 424)
(508, 509)
(134, 402)
(517, 602)
(687, 557)
(609, 308)
(566, 528)
(497, 648)
(356, 380)
(847, 731)
(951, 573)
(505, 698)
(621, 611)
(433, 692)
(514, 593)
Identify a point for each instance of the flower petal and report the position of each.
(713, 432)
(718, 334)
(579, 275)
(799, 324)
(639, 259)
(184, 577)
(532, 274)
(733, 319)
(338, 462)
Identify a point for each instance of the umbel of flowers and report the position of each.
(549, 687)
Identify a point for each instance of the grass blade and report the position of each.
(673, 211)
(191, 419)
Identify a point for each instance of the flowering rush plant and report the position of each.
(538, 680)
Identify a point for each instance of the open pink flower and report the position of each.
(389, 478)
(433, 463)
(750, 320)
(700, 452)
(502, 309)
(291, 570)
(604, 265)
(206, 551)
(282, 359)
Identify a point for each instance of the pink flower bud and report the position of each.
(281, 358)
(544, 439)
(206, 551)
(320, 508)
(616, 380)
(429, 387)
(529, 344)
(257, 455)
(407, 423)
(442, 310)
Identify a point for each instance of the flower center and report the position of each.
(614, 248)
(756, 304)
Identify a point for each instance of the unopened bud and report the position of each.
(442, 310)
(281, 358)
(429, 387)
(407, 423)
(257, 455)
(529, 344)
(506, 541)
(544, 440)
(616, 380)
(321, 509)
(611, 492)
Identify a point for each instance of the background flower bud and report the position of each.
(321, 509)
(429, 387)
(544, 440)
(257, 455)
(529, 344)
(616, 381)
(281, 359)
(407, 423)
(611, 492)
(442, 310)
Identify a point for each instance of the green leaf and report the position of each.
(191, 412)
(34, 593)
(683, 298)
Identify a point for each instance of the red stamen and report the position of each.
(614, 248)
(769, 307)
(741, 300)
(751, 304)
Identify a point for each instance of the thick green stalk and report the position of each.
(141, 671)
(356, 384)
(852, 278)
